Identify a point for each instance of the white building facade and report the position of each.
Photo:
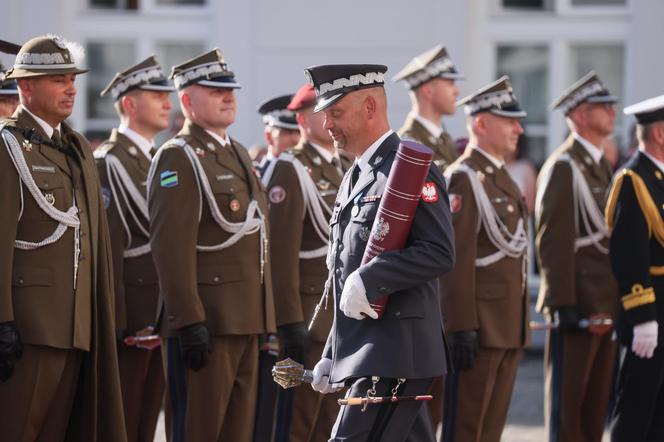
(544, 45)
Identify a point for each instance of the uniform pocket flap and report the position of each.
(47, 181)
(214, 275)
(31, 277)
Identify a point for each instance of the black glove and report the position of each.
(11, 349)
(194, 342)
(294, 341)
(567, 319)
(465, 347)
(120, 336)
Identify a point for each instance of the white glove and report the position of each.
(354, 302)
(321, 381)
(645, 339)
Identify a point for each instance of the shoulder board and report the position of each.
(646, 203)
(174, 143)
(286, 156)
(103, 149)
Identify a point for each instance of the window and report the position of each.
(598, 2)
(114, 4)
(527, 67)
(179, 2)
(525, 4)
(104, 61)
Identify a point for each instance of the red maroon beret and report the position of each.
(303, 98)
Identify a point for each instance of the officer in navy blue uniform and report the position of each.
(405, 349)
(634, 215)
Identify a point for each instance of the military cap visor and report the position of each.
(208, 69)
(588, 89)
(276, 113)
(7, 87)
(434, 63)
(647, 111)
(497, 98)
(146, 75)
(44, 56)
(332, 82)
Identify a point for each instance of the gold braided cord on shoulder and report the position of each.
(648, 207)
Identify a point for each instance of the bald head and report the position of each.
(357, 120)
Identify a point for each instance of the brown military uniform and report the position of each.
(575, 278)
(222, 288)
(136, 288)
(298, 283)
(481, 298)
(445, 150)
(67, 379)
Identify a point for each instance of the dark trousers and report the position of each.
(578, 378)
(218, 402)
(35, 403)
(477, 400)
(391, 422)
(638, 415)
(142, 382)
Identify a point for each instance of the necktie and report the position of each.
(153, 151)
(337, 164)
(355, 175)
(56, 137)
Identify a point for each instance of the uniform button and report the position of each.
(20, 281)
(140, 280)
(510, 208)
(382, 290)
(215, 279)
(338, 272)
(397, 313)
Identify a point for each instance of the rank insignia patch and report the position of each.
(429, 192)
(277, 194)
(168, 178)
(455, 202)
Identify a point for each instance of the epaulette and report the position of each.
(174, 142)
(104, 148)
(647, 205)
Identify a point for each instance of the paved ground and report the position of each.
(525, 418)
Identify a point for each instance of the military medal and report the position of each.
(200, 152)
(211, 146)
(234, 205)
(132, 151)
(317, 161)
(365, 232)
(50, 198)
(510, 208)
(323, 185)
(27, 146)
